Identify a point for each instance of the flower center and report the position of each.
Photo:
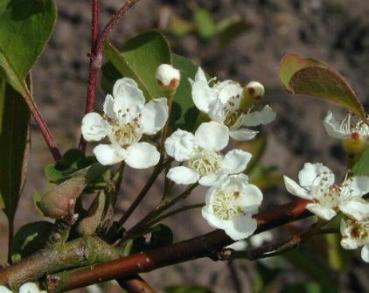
(231, 118)
(359, 230)
(126, 134)
(225, 205)
(205, 162)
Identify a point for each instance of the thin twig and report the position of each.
(135, 285)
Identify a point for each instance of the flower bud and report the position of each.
(255, 90)
(168, 77)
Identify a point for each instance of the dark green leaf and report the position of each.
(187, 289)
(184, 113)
(230, 28)
(139, 59)
(161, 235)
(361, 167)
(29, 239)
(14, 142)
(314, 78)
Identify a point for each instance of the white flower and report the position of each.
(261, 238)
(201, 155)
(126, 119)
(345, 129)
(317, 185)
(230, 205)
(222, 103)
(30, 288)
(4, 289)
(167, 75)
(355, 234)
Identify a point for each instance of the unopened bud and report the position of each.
(255, 90)
(168, 77)
(354, 145)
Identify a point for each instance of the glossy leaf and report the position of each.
(314, 78)
(184, 113)
(26, 26)
(14, 146)
(139, 59)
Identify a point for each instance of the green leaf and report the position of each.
(139, 59)
(184, 113)
(361, 167)
(26, 26)
(30, 238)
(314, 78)
(231, 28)
(205, 23)
(14, 147)
(187, 289)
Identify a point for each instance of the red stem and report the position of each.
(201, 246)
(97, 47)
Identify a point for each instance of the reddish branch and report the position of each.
(207, 245)
(97, 46)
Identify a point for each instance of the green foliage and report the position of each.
(30, 238)
(205, 23)
(139, 59)
(315, 78)
(361, 167)
(26, 25)
(14, 146)
(187, 289)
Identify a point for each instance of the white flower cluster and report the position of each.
(231, 200)
(327, 199)
(25, 288)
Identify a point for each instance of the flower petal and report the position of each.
(235, 161)
(4, 289)
(154, 116)
(183, 175)
(109, 107)
(241, 227)
(180, 145)
(227, 90)
(357, 208)
(212, 219)
(29, 287)
(251, 197)
(108, 154)
(211, 179)
(212, 136)
(359, 185)
(202, 94)
(309, 174)
(333, 127)
(321, 211)
(94, 127)
(242, 134)
(295, 189)
(255, 118)
(128, 99)
(142, 155)
(365, 253)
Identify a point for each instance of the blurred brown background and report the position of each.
(336, 31)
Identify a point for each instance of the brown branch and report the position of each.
(198, 247)
(135, 285)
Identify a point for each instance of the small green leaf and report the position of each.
(205, 23)
(139, 59)
(184, 113)
(361, 167)
(230, 28)
(14, 147)
(314, 78)
(187, 289)
(30, 238)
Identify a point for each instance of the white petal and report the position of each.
(165, 73)
(310, 172)
(212, 136)
(180, 145)
(154, 116)
(213, 220)
(142, 155)
(265, 116)
(211, 179)
(357, 209)
(333, 127)
(261, 238)
(359, 185)
(183, 175)
(251, 197)
(295, 189)
(107, 154)
(365, 253)
(129, 100)
(94, 127)
(321, 211)
(29, 288)
(235, 161)
(202, 94)
(349, 243)
(4, 289)
(241, 227)
(109, 107)
(242, 134)
(238, 246)
(227, 90)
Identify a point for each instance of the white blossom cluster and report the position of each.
(25, 288)
(231, 201)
